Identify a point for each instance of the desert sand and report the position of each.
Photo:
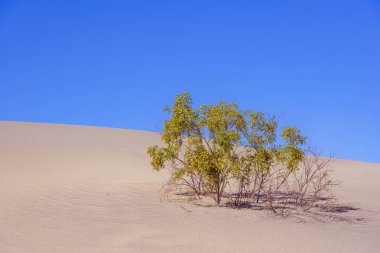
(67, 188)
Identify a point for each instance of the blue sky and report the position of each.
(316, 64)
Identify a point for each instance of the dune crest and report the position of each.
(70, 188)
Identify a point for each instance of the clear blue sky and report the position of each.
(316, 64)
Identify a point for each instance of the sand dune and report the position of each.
(90, 189)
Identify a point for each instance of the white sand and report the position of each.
(89, 189)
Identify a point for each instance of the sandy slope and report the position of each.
(88, 189)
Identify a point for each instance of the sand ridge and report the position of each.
(67, 188)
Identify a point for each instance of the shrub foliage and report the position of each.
(238, 157)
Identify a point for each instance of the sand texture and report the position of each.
(74, 189)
